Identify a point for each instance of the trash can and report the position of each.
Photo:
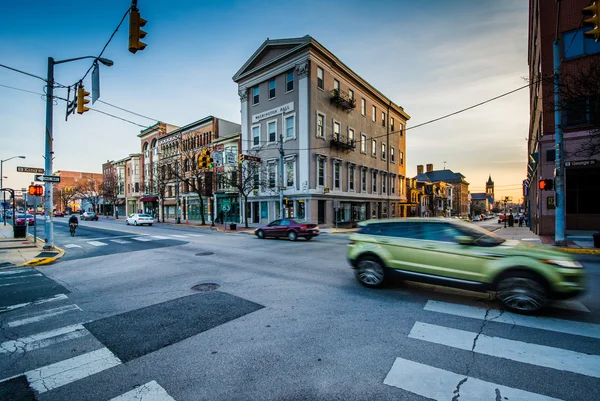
(20, 231)
(596, 240)
(232, 226)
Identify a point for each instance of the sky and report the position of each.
(432, 58)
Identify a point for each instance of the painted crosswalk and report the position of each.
(129, 239)
(435, 383)
(151, 391)
(43, 315)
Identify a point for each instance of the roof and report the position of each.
(479, 196)
(440, 175)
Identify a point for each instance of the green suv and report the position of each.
(454, 253)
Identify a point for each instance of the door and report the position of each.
(321, 212)
(273, 229)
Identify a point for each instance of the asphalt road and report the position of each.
(278, 320)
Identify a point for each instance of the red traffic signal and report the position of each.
(36, 190)
(546, 184)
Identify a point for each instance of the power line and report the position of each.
(119, 118)
(129, 111)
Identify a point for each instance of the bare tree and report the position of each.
(63, 196)
(110, 188)
(156, 183)
(89, 190)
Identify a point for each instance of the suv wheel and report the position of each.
(370, 272)
(522, 292)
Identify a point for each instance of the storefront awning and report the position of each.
(149, 199)
(120, 202)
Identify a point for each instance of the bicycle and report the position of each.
(72, 227)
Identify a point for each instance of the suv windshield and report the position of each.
(482, 237)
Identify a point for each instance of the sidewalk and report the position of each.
(580, 242)
(18, 252)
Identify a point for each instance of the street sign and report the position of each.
(36, 170)
(47, 178)
(226, 207)
(252, 158)
(580, 163)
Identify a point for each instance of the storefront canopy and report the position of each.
(149, 198)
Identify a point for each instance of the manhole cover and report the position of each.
(205, 287)
(204, 253)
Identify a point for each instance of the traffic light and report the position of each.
(136, 22)
(36, 190)
(241, 159)
(546, 184)
(202, 161)
(81, 100)
(210, 162)
(593, 10)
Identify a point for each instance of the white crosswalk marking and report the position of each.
(151, 391)
(142, 239)
(21, 277)
(15, 271)
(120, 241)
(57, 297)
(39, 316)
(196, 235)
(159, 237)
(536, 322)
(64, 372)
(45, 339)
(178, 236)
(439, 384)
(97, 243)
(71, 246)
(534, 354)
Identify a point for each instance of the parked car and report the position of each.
(289, 228)
(476, 218)
(58, 213)
(20, 220)
(89, 216)
(138, 219)
(501, 218)
(452, 253)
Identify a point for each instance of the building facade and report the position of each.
(77, 191)
(580, 88)
(343, 141)
(459, 192)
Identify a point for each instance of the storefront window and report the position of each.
(300, 210)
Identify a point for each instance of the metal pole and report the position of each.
(281, 215)
(35, 219)
(559, 229)
(48, 154)
(3, 192)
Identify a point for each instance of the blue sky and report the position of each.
(432, 58)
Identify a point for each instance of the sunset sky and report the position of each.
(432, 58)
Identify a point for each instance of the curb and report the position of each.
(581, 251)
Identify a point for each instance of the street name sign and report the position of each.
(252, 158)
(47, 178)
(35, 170)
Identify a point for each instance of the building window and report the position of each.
(290, 169)
(363, 143)
(336, 175)
(272, 131)
(383, 151)
(321, 171)
(374, 147)
(256, 136)
(401, 157)
(363, 107)
(392, 154)
(392, 124)
(351, 136)
(363, 180)
(289, 81)
(256, 177)
(393, 185)
(582, 111)
(400, 129)
(382, 119)
(255, 94)
(550, 155)
(374, 182)
(320, 125)
(384, 184)
(336, 131)
(336, 85)
(272, 89)
(289, 127)
(351, 178)
(320, 81)
(271, 175)
(576, 44)
(374, 113)
(350, 94)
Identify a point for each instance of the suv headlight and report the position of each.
(572, 264)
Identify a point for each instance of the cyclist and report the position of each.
(73, 223)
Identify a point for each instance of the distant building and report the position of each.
(459, 197)
(66, 195)
(484, 201)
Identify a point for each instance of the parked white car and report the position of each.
(139, 219)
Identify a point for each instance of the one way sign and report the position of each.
(47, 178)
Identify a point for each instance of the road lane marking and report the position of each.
(151, 391)
(439, 384)
(19, 277)
(570, 304)
(142, 239)
(535, 322)
(117, 236)
(97, 243)
(160, 237)
(39, 301)
(120, 241)
(178, 236)
(16, 271)
(71, 246)
(196, 235)
(533, 354)
(45, 339)
(64, 372)
(39, 316)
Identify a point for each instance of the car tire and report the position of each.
(261, 234)
(292, 235)
(371, 272)
(127, 222)
(309, 237)
(522, 292)
(135, 223)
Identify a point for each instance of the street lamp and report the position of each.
(2, 186)
(49, 153)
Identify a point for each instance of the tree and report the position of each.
(110, 188)
(88, 190)
(63, 196)
(156, 182)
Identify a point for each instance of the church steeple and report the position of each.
(489, 189)
(489, 181)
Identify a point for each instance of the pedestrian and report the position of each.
(220, 217)
(521, 220)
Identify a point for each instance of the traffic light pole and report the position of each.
(559, 177)
(48, 154)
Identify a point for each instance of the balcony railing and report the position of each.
(342, 99)
(343, 142)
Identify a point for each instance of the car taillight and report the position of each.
(304, 226)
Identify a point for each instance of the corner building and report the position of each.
(343, 140)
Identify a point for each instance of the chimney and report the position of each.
(419, 169)
(429, 168)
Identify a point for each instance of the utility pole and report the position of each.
(48, 155)
(281, 154)
(559, 179)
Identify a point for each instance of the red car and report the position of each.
(287, 228)
(58, 213)
(20, 220)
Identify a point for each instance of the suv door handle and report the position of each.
(384, 241)
(429, 247)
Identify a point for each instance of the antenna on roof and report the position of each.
(445, 165)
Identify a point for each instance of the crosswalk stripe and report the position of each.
(97, 243)
(151, 391)
(39, 316)
(570, 304)
(196, 235)
(64, 372)
(533, 354)
(439, 384)
(71, 246)
(142, 239)
(159, 237)
(536, 322)
(45, 339)
(39, 301)
(15, 271)
(178, 236)
(120, 241)
(21, 277)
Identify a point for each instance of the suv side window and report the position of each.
(371, 229)
(402, 229)
(439, 232)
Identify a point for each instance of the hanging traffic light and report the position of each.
(136, 22)
(593, 10)
(81, 100)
